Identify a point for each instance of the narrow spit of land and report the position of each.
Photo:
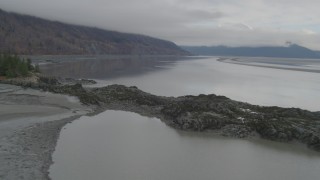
(217, 114)
(197, 113)
(266, 65)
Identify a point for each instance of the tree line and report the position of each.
(13, 66)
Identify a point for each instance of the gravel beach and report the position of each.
(30, 123)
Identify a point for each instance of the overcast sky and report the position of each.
(190, 22)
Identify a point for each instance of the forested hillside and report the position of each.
(23, 34)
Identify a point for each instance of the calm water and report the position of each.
(103, 67)
(121, 145)
(174, 77)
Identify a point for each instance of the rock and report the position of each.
(71, 81)
(48, 80)
(198, 113)
(238, 131)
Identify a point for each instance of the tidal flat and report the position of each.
(30, 123)
(184, 77)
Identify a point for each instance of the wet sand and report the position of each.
(30, 123)
(281, 64)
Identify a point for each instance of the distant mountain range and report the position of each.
(292, 51)
(23, 34)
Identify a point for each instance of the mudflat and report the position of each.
(30, 122)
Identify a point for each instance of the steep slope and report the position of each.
(24, 34)
(292, 51)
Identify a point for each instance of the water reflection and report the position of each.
(105, 67)
(171, 76)
(122, 145)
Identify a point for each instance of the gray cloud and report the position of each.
(204, 15)
(190, 22)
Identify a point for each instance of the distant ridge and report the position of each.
(23, 34)
(292, 51)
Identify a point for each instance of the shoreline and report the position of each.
(29, 130)
(35, 145)
(244, 63)
(204, 113)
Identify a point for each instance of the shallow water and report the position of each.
(121, 145)
(177, 77)
(309, 65)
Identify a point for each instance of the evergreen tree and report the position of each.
(30, 67)
(2, 70)
(12, 66)
(22, 68)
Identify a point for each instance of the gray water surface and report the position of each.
(173, 76)
(119, 145)
(255, 85)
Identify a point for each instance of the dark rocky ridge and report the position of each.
(218, 114)
(23, 34)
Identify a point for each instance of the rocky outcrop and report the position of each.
(200, 113)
